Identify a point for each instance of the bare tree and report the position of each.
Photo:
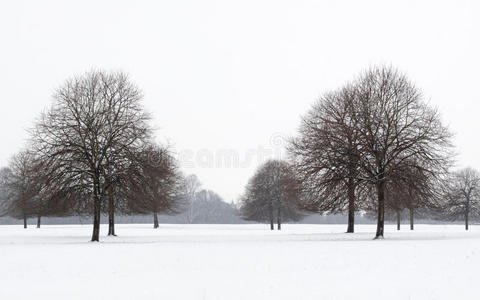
(40, 206)
(395, 125)
(272, 194)
(24, 194)
(119, 172)
(411, 188)
(326, 156)
(396, 197)
(45, 201)
(463, 196)
(95, 120)
(368, 133)
(157, 187)
(20, 187)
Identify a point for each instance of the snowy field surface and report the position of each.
(239, 262)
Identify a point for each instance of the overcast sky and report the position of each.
(232, 78)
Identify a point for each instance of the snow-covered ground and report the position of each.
(239, 262)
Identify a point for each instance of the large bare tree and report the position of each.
(363, 137)
(96, 121)
(396, 125)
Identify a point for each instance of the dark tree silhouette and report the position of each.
(395, 125)
(94, 124)
(367, 133)
(462, 196)
(157, 185)
(272, 194)
(19, 187)
(326, 156)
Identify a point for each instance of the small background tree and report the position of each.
(157, 185)
(462, 196)
(272, 194)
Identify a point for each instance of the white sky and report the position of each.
(223, 76)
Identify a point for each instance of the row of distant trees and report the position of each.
(199, 206)
(373, 145)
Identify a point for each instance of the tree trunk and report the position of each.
(381, 209)
(155, 220)
(412, 215)
(466, 220)
(38, 221)
(279, 220)
(270, 206)
(111, 223)
(24, 221)
(467, 211)
(96, 213)
(111, 213)
(351, 206)
(398, 220)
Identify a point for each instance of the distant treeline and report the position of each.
(228, 218)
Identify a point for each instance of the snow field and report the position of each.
(239, 262)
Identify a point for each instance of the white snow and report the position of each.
(239, 262)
